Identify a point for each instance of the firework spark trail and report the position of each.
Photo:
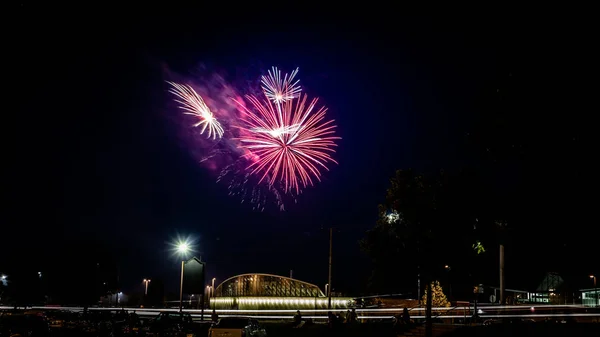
(214, 153)
(194, 105)
(242, 184)
(292, 157)
(280, 90)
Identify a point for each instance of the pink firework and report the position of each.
(286, 141)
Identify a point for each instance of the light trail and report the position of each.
(382, 313)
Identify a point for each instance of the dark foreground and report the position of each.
(385, 330)
(534, 329)
(120, 323)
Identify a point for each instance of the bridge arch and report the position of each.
(266, 285)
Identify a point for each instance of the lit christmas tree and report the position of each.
(439, 298)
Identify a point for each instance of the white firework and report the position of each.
(193, 104)
(280, 90)
(278, 132)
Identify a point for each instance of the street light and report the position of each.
(212, 292)
(595, 289)
(448, 269)
(146, 281)
(118, 297)
(182, 249)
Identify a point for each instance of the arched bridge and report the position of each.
(266, 285)
(266, 291)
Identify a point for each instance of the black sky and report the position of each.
(93, 153)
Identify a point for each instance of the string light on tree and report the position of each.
(438, 299)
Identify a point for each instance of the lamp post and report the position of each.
(212, 287)
(448, 269)
(329, 279)
(182, 248)
(593, 277)
(146, 281)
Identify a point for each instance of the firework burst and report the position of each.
(280, 90)
(277, 142)
(193, 104)
(286, 141)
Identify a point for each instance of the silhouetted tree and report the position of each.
(385, 248)
(425, 217)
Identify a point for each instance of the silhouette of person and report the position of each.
(352, 316)
(405, 316)
(331, 319)
(297, 318)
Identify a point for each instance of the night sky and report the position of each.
(94, 153)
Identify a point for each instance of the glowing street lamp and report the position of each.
(212, 294)
(595, 289)
(447, 268)
(146, 281)
(182, 248)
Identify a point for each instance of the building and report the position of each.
(589, 297)
(552, 290)
(513, 296)
(271, 292)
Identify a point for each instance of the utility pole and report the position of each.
(419, 283)
(502, 285)
(419, 274)
(203, 283)
(329, 279)
(118, 284)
